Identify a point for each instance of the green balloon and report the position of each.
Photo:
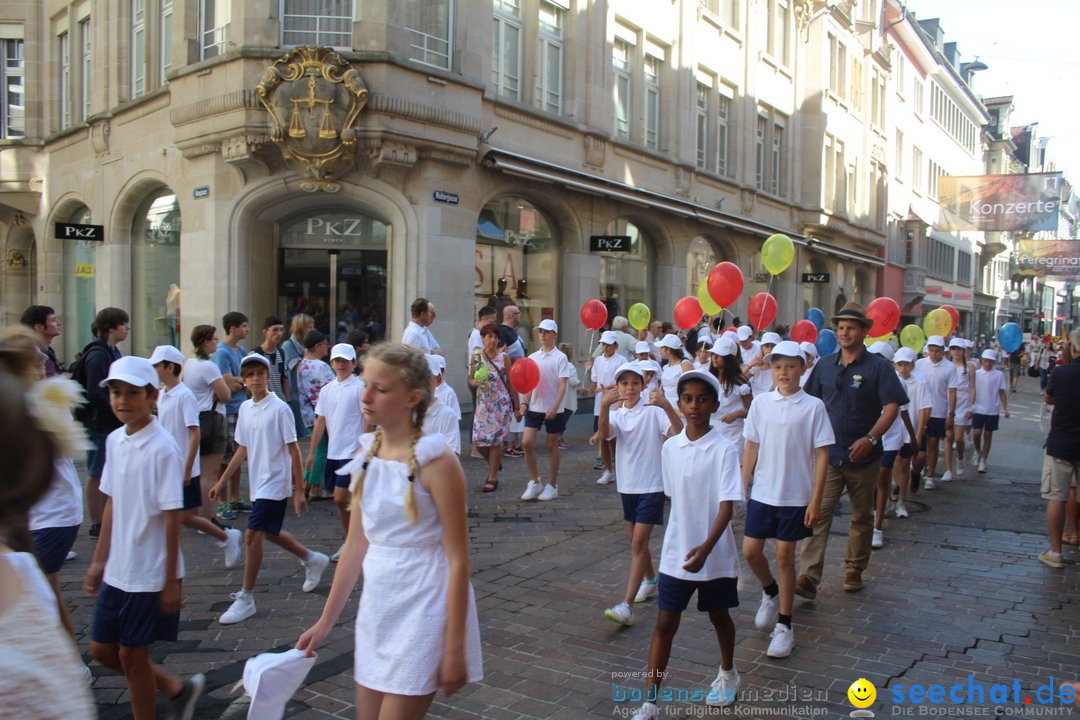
(912, 336)
(777, 253)
(639, 316)
(707, 303)
(481, 374)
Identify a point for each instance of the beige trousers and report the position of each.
(859, 483)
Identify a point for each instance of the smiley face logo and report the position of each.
(861, 694)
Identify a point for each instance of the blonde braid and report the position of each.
(358, 478)
(410, 499)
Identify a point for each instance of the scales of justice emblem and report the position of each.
(313, 96)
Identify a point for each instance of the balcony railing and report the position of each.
(914, 280)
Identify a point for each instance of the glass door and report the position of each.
(343, 290)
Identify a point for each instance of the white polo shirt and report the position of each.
(419, 336)
(475, 343)
(987, 386)
(750, 355)
(939, 379)
(198, 375)
(698, 476)
(603, 374)
(62, 505)
(761, 380)
(177, 412)
(640, 431)
(918, 400)
(143, 477)
(440, 420)
(341, 406)
(445, 395)
(731, 400)
(787, 430)
(266, 429)
(553, 366)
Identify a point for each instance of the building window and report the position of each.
(778, 42)
(87, 71)
(759, 152)
(620, 62)
(723, 9)
(700, 259)
(165, 39)
(877, 101)
(549, 58)
(855, 93)
(769, 163)
(901, 74)
(723, 166)
(917, 91)
(934, 173)
(941, 260)
(853, 188)
(776, 169)
(625, 278)
(898, 171)
(305, 22)
(65, 79)
(702, 124)
(837, 67)
(80, 301)
(652, 99)
(916, 170)
(155, 273)
(506, 48)
(834, 187)
(963, 267)
(138, 47)
(878, 196)
(213, 23)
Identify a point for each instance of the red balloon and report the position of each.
(954, 314)
(725, 283)
(762, 310)
(525, 375)
(885, 313)
(593, 314)
(804, 331)
(688, 312)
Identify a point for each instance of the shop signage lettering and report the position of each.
(346, 227)
(78, 231)
(609, 243)
(815, 277)
(444, 196)
(84, 270)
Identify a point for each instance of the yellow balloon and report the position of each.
(708, 305)
(777, 253)
(937, 322)
(639, 316)
(912, 336)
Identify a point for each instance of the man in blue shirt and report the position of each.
(1061, 464)
(862, 396)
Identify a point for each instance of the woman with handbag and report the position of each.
(496, 402)
(205, 381)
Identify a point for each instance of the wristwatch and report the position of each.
(872, 440)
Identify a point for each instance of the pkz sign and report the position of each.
(815, 277)
(609, 243)
(78, 231)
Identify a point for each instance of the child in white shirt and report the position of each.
(788, 435)
(918, 407)
(602, 376)
(440, 419)
(893, 447)
(990, 399)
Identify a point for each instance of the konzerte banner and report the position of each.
(1022, 202)
(1053, 258)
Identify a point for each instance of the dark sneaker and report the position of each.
(95, 530)
(182, 707)
(241, 507)
(225, 511)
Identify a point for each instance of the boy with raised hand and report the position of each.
(700, 468)
(178, 414)
(639, 428)
(990, 399)
(137, 565)
(601, 370)
(788, 435)
(266, 439)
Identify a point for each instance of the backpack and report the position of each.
(84, 413)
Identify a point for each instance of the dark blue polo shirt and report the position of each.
(853, 397)
(1063, 442)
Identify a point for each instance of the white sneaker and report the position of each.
(960, 469)
(928, 483)
(88, 675)
(550, 492)
(647, 589)
(532, 490)
(974, 459)
(901, 510)
(70, 556)
(621, 613)
(242, 608)
(947, 477)
(877, 541)
(782, 643)
(724, 688)
(605, 478)
(337, 554)
(313, 570)
(982, 466)
(647, 710)
(767, 612)
(234, 548)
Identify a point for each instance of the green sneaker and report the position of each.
(225, 511)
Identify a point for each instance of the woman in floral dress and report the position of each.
(496, 401)
(311, 374)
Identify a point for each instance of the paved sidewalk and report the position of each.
(956, 592)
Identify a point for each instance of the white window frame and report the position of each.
(321, 35)
(838, 67)
(138, 48)
(919, 90)
(898, 171)
(778, 30)
(63, 42)
(86, 40)
(761, 124)
(777, 155)
(213, 37)
(651, 70)
(701, 126)
(165, 21)
(549, 45)
(506, 20)
(623, 85)
(724, 166)
(917, 170)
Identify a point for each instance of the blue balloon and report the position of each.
(826, 342)
(1011, 337)
(815, 316)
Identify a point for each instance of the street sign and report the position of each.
(78, 231)
(815, 277)
(609, 243)
(201, 193)
(445, 196)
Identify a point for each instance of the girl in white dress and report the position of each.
(416, 627)
(671, 349)
(735, 395)
(954, 439)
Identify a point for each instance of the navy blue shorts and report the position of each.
(907, 450)
(646, 508)
(95, 456)
(267, 516)
(51, 546)
(132, 619)
(717, 594)
(989, 423)
(935, 427)
(888, 458)
(193, 494)
(554, 426)
(331, 478)
(765, 521)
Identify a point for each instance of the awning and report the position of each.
(534, 169)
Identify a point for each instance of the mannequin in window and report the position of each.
(522, 290)
(172, 313)
(841, 301)
(500, 299)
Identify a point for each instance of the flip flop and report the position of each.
(490, 486)
(1070, 539)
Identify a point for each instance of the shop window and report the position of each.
(517, 260)
(626, 277)
(317, 22)
(700, 259)
(80, 287)
(155, 273)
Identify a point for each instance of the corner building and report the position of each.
(493, 138)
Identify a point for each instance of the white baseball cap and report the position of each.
(706, 377)
(957, 343)
(166, 353)
(255, 357)
(904, 354)
(786, 348)
(724, 346)
(436, 363)
(936, 340)
(883, 349)
(989, 355)
(630, 367)
(271, 679)
(608, 337)
(133, 370)
(704, 340)
(670, 341)
(641, 347)
(649, 366)
(770, 338)
(809, 349)
(345, 351)
(745, 332)
(548, 325)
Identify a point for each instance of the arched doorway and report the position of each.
(155, 273)
(80, 285)
(627, 277)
